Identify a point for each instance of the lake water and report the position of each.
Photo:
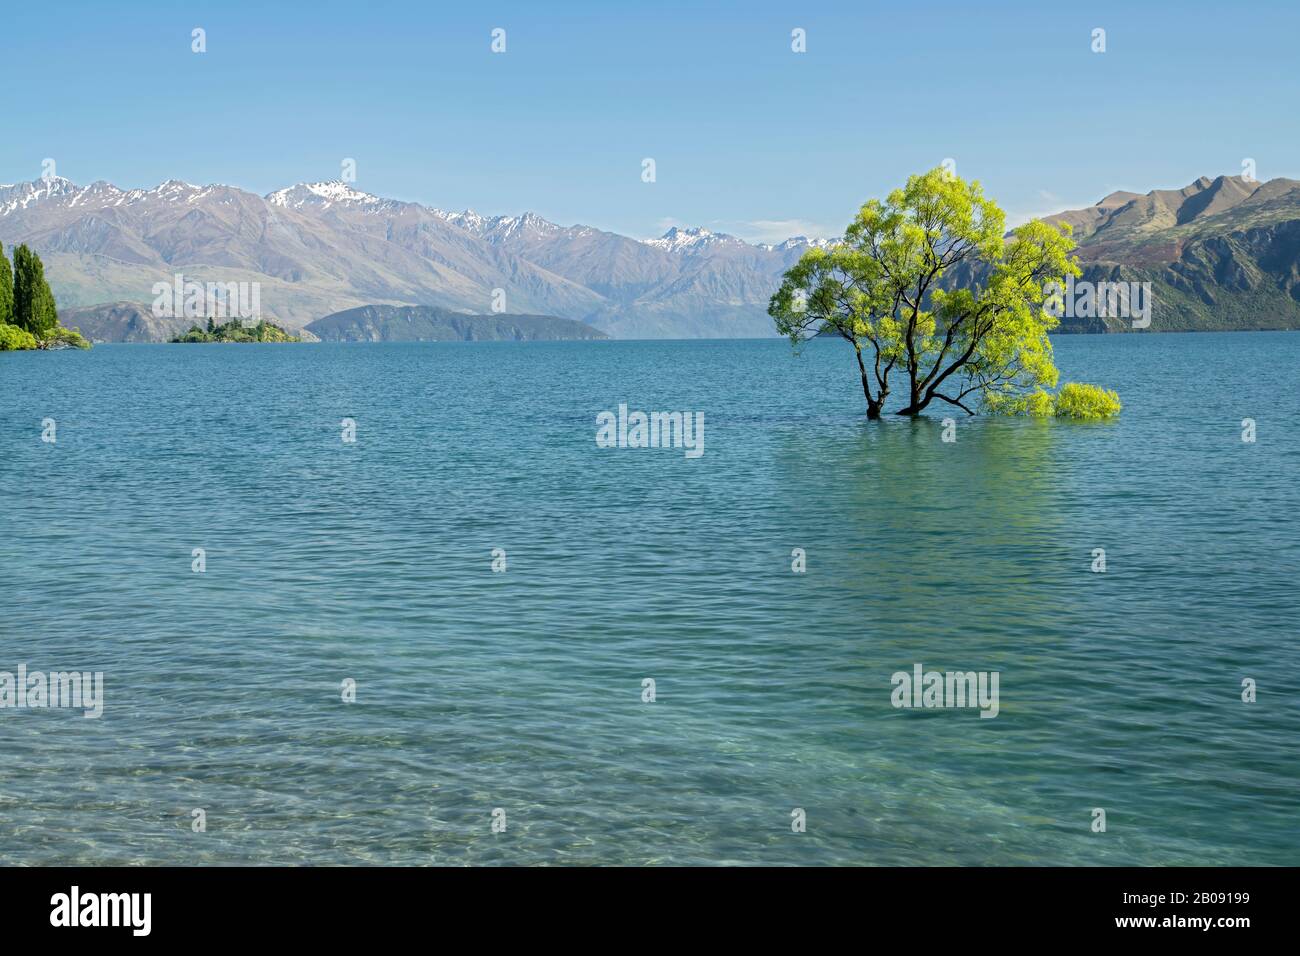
(522, 690)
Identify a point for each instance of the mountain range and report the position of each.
(321, 248)
(1220, 253)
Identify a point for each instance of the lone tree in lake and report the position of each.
(979, 341)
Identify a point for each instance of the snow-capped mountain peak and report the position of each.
(496, 229)
(324, 194)
(799, 242)
(468, 219)
(21, 195)
(507, 226)
(692, 239)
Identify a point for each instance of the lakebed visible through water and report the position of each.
(372, 561)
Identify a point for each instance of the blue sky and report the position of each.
(747, 136)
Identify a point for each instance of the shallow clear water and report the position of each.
(522, 690)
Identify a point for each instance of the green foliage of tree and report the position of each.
(46, 313)
(12, 338)
(61, 338)
(1036, 404)
(6, 289)
(33, 308)
(979, 340)
(1075, 400)
(22, 294)
(1080, 400)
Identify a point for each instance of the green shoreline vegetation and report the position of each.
(29, 318)
(236, 331)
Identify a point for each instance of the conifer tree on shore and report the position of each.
(33, 307)
(6, 289)
(29, 318)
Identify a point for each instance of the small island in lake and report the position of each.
(236, 331)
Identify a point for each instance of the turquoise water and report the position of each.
(522, 690)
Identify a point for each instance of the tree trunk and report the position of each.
(874, 405)
(918, 400)
(916, 406)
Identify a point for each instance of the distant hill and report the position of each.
(1220, 253)
(426, 323)
(122, 322)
